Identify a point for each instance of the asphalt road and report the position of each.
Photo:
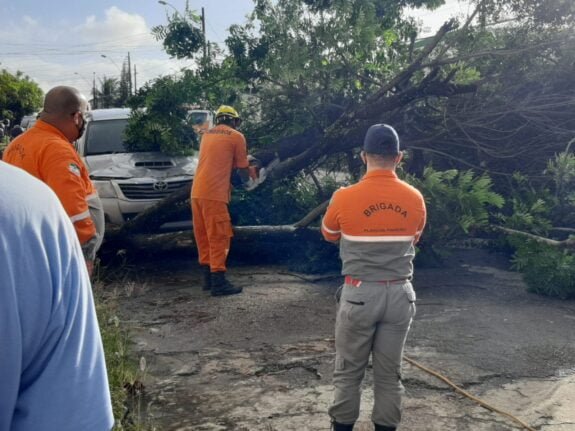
(262, 360)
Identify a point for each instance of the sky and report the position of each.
(62, 42)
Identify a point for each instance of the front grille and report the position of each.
(155, 165)
(157, 190)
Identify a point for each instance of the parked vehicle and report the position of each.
(128, 182)
(28, 121)
(201, 120)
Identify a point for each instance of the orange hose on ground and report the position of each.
(467, 394)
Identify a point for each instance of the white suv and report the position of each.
(128, 182)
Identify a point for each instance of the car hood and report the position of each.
(140, 165)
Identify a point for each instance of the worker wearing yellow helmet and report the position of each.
(222, 150)
(227, 112)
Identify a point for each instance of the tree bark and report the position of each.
(565, 244)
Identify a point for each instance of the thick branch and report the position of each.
(343, 136)
(312, 215)
(152, 218)
(416, 64)
(497, 53)
(568, 243)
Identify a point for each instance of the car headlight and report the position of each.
(105, 189)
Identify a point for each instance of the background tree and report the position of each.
(493, 93)
(108, 92)
(181, 36)
(310, 76)
(124, 85)
(519, 116)
(19, 96)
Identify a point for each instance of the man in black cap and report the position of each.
(377, 223)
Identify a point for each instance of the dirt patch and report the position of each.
(263, 360)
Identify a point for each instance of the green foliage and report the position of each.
(163, 124)
(466, 75)
(19, 96)
(282, 203)
(547, 270)
(529, 216)
(561, 171)
(151, 132)
(528, 209)
(181, 36)
(303, 72)
(108, 93)
(457, 203)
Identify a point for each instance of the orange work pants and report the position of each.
(213, 232)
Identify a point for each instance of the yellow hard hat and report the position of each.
(228, 111)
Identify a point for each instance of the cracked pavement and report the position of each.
(263, 360)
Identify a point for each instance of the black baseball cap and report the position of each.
(381, 139)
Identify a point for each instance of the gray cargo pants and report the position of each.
(372, 318)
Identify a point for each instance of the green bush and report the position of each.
(534, 209)
(457, 203)
(547, 270)
(561, 171)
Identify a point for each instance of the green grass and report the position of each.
(125, 372)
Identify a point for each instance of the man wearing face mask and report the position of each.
(46, 151)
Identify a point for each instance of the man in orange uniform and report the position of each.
(377, 223)
(46, 152)
(222, 149)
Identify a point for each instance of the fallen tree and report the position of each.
(314, 97)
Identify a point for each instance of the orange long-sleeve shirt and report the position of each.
(44, 152)
(222, 149)
(377, 222)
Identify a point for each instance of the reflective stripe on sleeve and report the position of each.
(80, 216)
(92, 196)
(333, 232)
(387, 238)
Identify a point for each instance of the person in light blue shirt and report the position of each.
(52, 367)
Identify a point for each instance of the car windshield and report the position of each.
(106, 137)
(198, 117)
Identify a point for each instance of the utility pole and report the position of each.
(204, 31)
(135, 83)
(129, 75)
(94, 91)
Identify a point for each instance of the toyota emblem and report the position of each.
(160, 186)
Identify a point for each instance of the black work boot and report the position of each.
(206, 277)
(335, 426)
(383, 428)
(221, 286)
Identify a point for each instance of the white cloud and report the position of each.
(29, 21)
(118, 27)
(62, 54)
